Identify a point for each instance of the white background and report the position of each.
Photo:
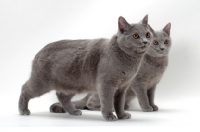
(26, 26)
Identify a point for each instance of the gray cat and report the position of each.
(100, 65)
(144, 84)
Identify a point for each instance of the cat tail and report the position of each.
(82, 103)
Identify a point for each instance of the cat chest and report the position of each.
(155, 77)
(127, 77)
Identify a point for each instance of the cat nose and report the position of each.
(145, 42)
(162, 48)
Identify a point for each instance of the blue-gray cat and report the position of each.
(99, 65)
(143, 86)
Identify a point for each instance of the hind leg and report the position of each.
(130, 95)
(23, 103)
(79, 104)
(82, 104)
(65, 100)
(93, 102)
(29, 91)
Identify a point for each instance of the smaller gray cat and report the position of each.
(151, 71)
(143, 86)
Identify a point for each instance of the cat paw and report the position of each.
(56, 108)
(126, 107)
(110, 117)
(124, 116)
(24, 112)
(76, 112)
(155, 108)
(147, 109)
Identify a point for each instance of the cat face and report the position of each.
(134, 38)
(161, 42)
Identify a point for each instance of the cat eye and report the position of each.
(166, 42)
(135, 36)
(155, 42)
(148, 35)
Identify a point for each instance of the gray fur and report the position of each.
(100, 65)
(152, 68)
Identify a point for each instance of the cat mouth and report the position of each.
(141, 50)
(158, 51)
(143, 47)
(162, 53)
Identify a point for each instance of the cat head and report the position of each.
(134, 38)
(161, 42)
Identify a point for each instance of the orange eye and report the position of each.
(166, 42)
(148, 35)
(135, 36)
(155, 42)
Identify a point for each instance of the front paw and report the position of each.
(57, 108)
(147, 109)
(124, 116)
(110, 117)
(75, 112)
(24, 112)
(155, 108)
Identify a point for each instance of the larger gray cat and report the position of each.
(99, 65)
(144, 84)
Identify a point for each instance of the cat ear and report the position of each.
(145, 20)
(123, 24)
(167, 28)
(153, 32)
